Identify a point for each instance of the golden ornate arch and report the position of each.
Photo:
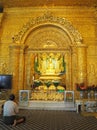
(48, 18)
(75, 56)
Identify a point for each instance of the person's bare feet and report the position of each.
(14, 124)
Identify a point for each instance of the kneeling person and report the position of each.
(10, 110)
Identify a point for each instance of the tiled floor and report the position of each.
(89, 114)
(53, 120)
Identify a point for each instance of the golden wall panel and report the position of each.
(82, 19)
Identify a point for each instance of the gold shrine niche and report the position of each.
(49, 63)
(56, 46)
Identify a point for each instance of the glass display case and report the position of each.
(69, 98)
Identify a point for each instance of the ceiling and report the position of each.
(31, 3)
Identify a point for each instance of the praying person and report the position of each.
(10, 111)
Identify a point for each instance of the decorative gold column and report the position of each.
(14, 65)
(32, 74)
(1, 16)
(74, 69)
(21, 68)
(82, 63)
(68, 70)
(28, 65)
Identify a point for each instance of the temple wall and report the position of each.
(83, 19)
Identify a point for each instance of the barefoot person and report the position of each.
(10, 110)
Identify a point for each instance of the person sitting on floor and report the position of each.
(10, 110)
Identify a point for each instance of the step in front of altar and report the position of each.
(50, 105)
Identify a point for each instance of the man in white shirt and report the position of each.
(10, 110)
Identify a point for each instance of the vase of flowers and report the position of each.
(81, 94)
(92, 91)
(95, 91)
(89, 92)
(81, 88)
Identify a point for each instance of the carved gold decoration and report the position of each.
(92, 73)
(51, 38)
(50, 63)
(48, 18)
(4, 68)
(82, 71)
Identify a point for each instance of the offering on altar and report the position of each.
(52, 87)
(60, 88)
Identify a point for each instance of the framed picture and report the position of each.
(23, 97)
(69, 96)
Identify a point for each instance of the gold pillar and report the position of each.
(32, 74)
(28, 64)
(14, 66)
(74, 69)
(82, 63)
(1, 16)
(21, 68)
(68, 70)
